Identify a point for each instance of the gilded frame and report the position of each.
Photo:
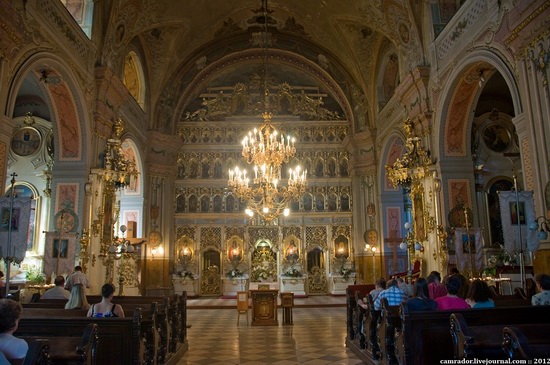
(419, 216)
(291, 249)
(234, 250)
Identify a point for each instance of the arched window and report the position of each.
(25, 190)
(133, 78)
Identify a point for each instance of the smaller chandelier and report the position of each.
(118, 169)
(267, 151)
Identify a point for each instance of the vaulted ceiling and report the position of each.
(190, 46)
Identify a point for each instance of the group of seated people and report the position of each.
(453, 293)
(76, 299)
(13, 348)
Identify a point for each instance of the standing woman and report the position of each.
(106, 308)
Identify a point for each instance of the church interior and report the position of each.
(381, 138)
(248, 149)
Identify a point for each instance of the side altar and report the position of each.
(232, 285)
(339, 283)
(294, 284)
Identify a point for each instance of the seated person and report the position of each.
(12, 347)
(543, 285)
(479, 295)
(435, 287)
(464, 287)
(393, 294)
(405, 287)
(421, 300)
(451, 300)
(106, 308)
(58, 291)
(78, 299)
(379, 286)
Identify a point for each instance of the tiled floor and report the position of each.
(317, 336)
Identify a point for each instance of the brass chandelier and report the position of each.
(267, 150)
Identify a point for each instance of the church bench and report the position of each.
(371, 329)
(482, 341)
(352, 309)
(526, 343)
(69, 350)
(149, 323)
(357, 317)
(390, 322)
(38, 352)
(425, 337)
(119, 339)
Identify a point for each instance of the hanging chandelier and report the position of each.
(267, 150)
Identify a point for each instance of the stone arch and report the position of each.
(454, 130)
(461, 96)
(46, 87)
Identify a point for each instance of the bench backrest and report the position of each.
(425, 337)
(119, 338)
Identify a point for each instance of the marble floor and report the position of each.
(317, 336)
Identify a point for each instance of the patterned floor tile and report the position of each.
(317, 337)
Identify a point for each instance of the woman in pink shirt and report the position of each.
(451, 300)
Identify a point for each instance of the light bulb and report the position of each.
(407, 225)
(403, 245)
(286, 212)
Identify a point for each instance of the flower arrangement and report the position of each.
(186, 275)
(236, 273)
(502, 258)
(293, 273)
(346, 272)
(260, 273)
(35, 276)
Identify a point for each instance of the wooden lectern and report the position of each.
(264, 307)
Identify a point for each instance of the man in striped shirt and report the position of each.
(393, 294)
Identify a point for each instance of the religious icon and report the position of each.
(60, 248)
(468, 245)
(514, 213)
(5, 224)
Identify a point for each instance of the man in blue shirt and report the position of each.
(393, 294)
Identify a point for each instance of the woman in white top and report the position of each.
(12, 347)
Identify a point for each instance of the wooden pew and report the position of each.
(38, 352)
(425, 337)
(170, 322)
(71, 349)
(371, 329)
(475, 341)
(526, 343)
(119, 339)
(390, 322)
(149, 327)
(352, 309)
